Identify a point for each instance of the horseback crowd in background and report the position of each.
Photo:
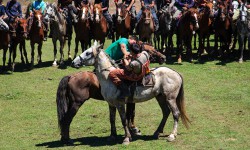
(158, 20)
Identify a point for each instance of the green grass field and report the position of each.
(217, 100)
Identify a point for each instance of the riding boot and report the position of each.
(124, 91)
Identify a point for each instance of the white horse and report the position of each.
(168, 91)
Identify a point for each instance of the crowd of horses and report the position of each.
(192, 22)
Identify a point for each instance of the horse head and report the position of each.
(84, 12)
(88, 56)
(122, 12)
(167, 16)
(98, 12)
(50, 12)
(38, 17)
(222, 12)
(22, 26)
(192, 12)
(155, 56)
(146, 15)
(209, 9)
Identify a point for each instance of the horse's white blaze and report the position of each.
(39, 20)
(97, 17)
(83, 13)
(243, 13)
(196, 21)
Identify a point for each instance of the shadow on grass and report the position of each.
(94, 141)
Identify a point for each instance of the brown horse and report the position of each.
(187, 24)
(205, 22)
(145, 27)
(82, 29)
(223, 31)
(99, 25)
(36, 36)
(75, 89)
(123, 22)
(5, 41)
(21, 35)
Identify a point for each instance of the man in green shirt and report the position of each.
(120, 48)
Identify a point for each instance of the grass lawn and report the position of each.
(217, 100)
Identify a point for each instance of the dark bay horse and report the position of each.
(36, 36)
(123, 22)
(4, 44)
(21, 35)
(75, 89)
(58, 21)
(166, 28)
(82, 29)
(99, 26)
(187, 24)
(223, 30)
(145, 27)
(205, 22)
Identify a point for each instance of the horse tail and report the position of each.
(62, 100)
(181, 106)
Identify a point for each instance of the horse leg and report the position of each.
(82, 45)
(76, 46)
(21, 52)
(195, 35)
(4, 57)
(39, 56)
(55, 52)
(112, 116)
(14, 56)
(161, 99)
(241, 42)
(121, 110)
(32, 54)
(24, 51)
(61, 53)
(130, 114)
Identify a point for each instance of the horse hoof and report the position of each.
(156, 135)
(171, 138)
(126, 141)
(179, 61)
(68, 142)
(136, 131)
(111, 138)
(240, 61)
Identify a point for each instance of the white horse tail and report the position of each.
(181, 106)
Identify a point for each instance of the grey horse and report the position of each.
(168, 91)
(58, 23)
(243, 26)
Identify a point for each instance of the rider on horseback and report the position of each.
(38, 5)
(182, 5)
(3, 25)
(136, 67)
(106, 14)
(131, 9)
(13, 10)
(151, 5)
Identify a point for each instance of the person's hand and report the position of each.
(127, 9)
(184, 8)
(31, 14)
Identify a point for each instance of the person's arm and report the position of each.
(127, 64)
(152, 4)
(20, 13)
(178, 2)
(130, 5)
(8, 10)
(43, 8)
(191, 4)
(124, 50)
(105, 3)
(31, 9)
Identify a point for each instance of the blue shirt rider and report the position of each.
(13, 11)
(181, 6)
(38, 5)
(151, 5)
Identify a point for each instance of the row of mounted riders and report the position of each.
(184, 23)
